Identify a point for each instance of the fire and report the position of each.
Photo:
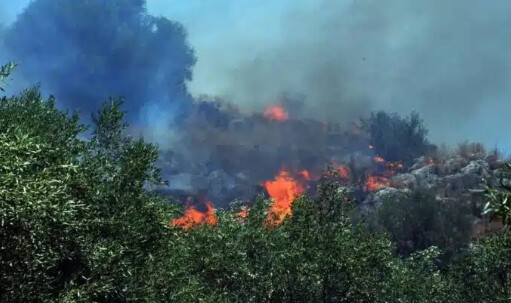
(343, 171)
(242, 213)
(379, 159)
(376, 182)
(283, 190)
(193, 217)
(275, 112)
(392, 166)
(305, 174)
(431, 161)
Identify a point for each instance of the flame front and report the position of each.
(283, 190)
(275, 112)
(193, 217)
(376, 182)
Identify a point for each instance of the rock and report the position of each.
(418, 163)
(427, 176)
(376, 198)
(406, 180)
(452, 165)
(478, 168)
(469, 177)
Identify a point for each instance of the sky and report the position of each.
(448, 60)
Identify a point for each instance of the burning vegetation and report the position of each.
(283, 191)
(193, 217)
(275, 112)
(108, 230)
(234, 155)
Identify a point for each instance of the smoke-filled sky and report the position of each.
(448, 60)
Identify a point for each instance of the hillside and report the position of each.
(80, 223)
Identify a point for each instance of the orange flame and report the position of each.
(305, 174)
(376, 182)
(193, 217)
(343, 171)
(379, 159)
(283, 190)
(275, 112)
(431, 161)
(242, 213)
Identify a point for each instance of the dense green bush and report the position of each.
(76, 221)
(499, 199)
(483, 274)
(417, 220)
(397, 139)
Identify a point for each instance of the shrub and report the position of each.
(397, 139)
(418, 220)
(499, 200)
(471, 150)
(483, 274)
(77, 224)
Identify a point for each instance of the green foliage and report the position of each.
(397, 139)
(5, 71)
(77, 223)
(418, 220)
(499, 200)
(38, 211)
(484, 273)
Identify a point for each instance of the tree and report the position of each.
(397, 139)
(499, 200)
(85, 51)
(5, 71)
(77, 224)
(418, 220)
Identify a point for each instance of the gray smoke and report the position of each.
(448, 60)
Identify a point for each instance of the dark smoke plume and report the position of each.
(85, 51)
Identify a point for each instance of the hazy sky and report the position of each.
(448, 60)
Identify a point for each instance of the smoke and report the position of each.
(448, 60)
(83, 52)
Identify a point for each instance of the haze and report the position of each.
(448, 60)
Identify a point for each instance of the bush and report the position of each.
(471, 151)
(483, 274)
(76, 221)
(418, 220)
(397, 139)
(499, 200)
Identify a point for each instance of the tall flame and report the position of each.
(283, 190)
(193, 217)
(275, 112)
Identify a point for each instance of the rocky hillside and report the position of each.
(459, 177)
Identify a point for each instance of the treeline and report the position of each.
(80, 223)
